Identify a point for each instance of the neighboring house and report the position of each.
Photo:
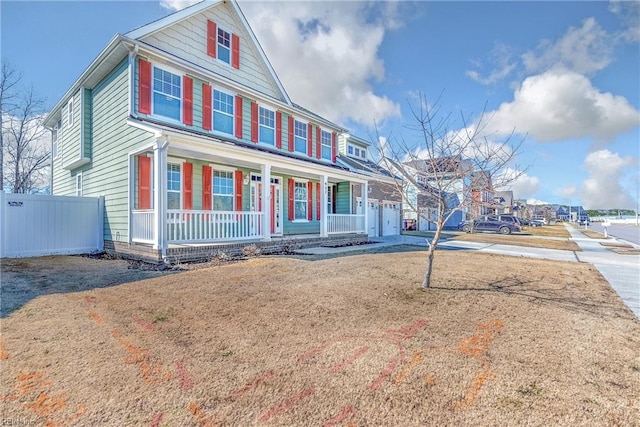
(185, 129)
(562, 213)
(502, 202)
(483, 201)
(384, 201)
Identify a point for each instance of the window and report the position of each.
(350, 149)
(222, 190)
(166, 93)
(173, 186)
(300, 200)
(363, 153)
(330, 194)
(79, 184)
(224, 46)
(325, 139)
(70, 113)
(300, 137)
(267, 123)
(357, 152)
(222, 112)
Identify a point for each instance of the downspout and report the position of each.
(132, 56)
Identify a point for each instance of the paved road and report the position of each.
(630, 233)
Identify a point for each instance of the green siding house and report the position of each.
(185, 129)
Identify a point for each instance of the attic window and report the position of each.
(224, 46)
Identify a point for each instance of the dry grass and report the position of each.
(325, 341)
(518, 240)
(556, 230)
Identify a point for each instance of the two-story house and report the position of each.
(185, 129)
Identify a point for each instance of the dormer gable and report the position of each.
(354, 147)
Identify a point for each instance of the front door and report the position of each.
(275, 206)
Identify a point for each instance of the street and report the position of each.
(630, 233)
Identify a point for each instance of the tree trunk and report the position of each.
(426, 281)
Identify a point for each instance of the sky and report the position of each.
(565, 76)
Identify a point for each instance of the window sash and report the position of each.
(300, 201)
(223, 105)
(174, 186)
(223, 192)
(266, 128)
(224, 45)
(325, 140)
(167, 93)
(300, 136)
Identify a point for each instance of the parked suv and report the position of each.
(510, 218)
(489, 223)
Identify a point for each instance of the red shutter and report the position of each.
(235, 51)
(238, 108)
(254, 122)
(291, 199)
(144, 86)
(309, 139)
(239, 184)
(291, 141)
(310, 201)
(278, 129)
(206, 106)
(318, 143)
(187, 101)
(187, 185)
(206, 188)
(212, 38)
(318, 200)
(333, 147)
(144, 182)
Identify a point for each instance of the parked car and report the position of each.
(510, 218)
(540, 219)
(524, 221)
(490, 223)
(536, 223)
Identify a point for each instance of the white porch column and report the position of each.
(266, 202)
(159, 220)
(365, 205)
(323, 206)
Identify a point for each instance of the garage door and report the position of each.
(390, 218)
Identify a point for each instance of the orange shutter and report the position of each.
(238, 186)
(238, 108)
(254, 122)
(309, 139)
(291, 184)
(291, 141)
(206, 188)
(235, 51)
(144, 182)
(212, 38)
(333, 147)
(206, 106)
(187, 101)
(187, 186)
(144, 86)
(278, 129)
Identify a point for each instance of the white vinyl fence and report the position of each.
(37, 225)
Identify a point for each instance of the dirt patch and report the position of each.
(518, 240)
(348, 340)
(592, 234)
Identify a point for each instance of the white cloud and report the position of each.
(533, 201)
(523, 185)
(629, 13)
(603, 190)
(569, 191)
(559, 105)
(585, 50)
(177, 4)
(326, 54)
(502, 57)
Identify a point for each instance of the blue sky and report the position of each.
(566, 74)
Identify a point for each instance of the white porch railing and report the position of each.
(339, 223)
(142, 226)
(190, 226)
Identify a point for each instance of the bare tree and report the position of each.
(25, 151)
(455, 166)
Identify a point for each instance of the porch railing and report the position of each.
(142, 226)
(193, 226)
(339, 223)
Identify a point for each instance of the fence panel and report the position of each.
(37, 225)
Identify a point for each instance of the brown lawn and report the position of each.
(518, 240)
(333, 341)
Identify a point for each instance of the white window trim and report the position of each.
(81, 180)
(55, 142)
(213, 111)
(306, 187)
(179, 162)
(330, 145)
(306, 130)
(177, 73)
(70, 113)
(226, 30)
(221, 168)
(275, 118)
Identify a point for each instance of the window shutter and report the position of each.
(238, 182)
(310, 201)
(144, 86)
(278, 129)
(333, 147)
(238, 108)
(206, 188)
(212, 38)
(309, 139)
(291, 185)
(144, 182)
(187, 186)
(187, 101)
(318, 200)
(235, 51)
(254, 122)
(291, 141)
(206, 106)
(318, 143)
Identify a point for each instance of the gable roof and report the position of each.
(192, 10)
